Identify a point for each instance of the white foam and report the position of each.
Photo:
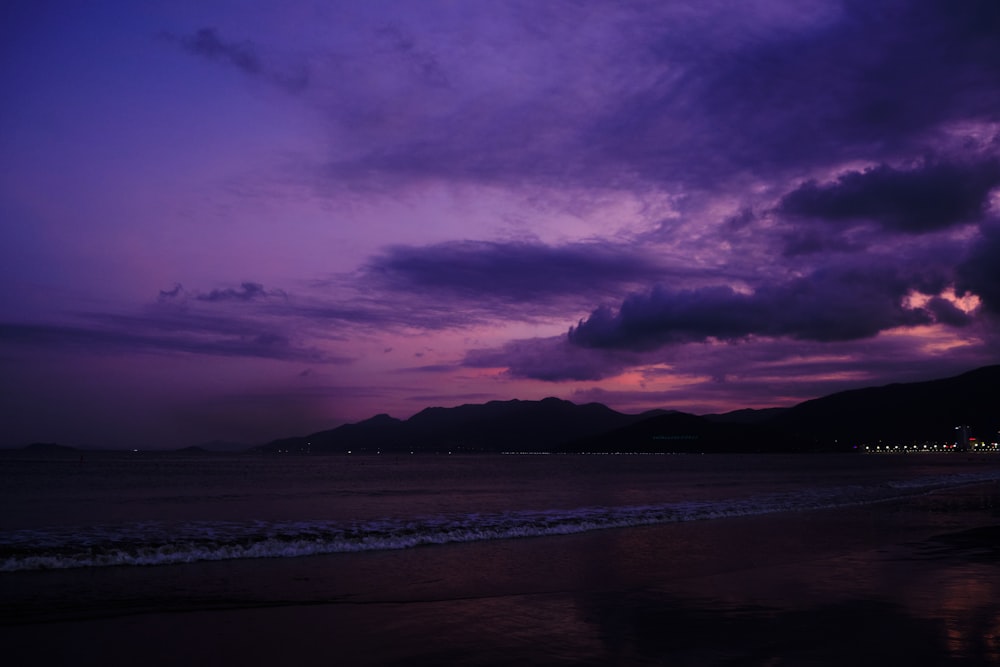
(160, 543)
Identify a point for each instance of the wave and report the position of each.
(163, 543)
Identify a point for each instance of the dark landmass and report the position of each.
(911, 412)
(49, 448)
(746, 415)
(945, 411)
(221, 446)
(897, 413)
(193, 449)
(44, 451)
(490, 427)
(686, 433)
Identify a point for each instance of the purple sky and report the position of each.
(232, 219)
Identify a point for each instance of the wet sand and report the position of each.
(912, 582)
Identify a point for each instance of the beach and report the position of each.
(912, 580)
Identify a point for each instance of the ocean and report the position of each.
(503, 559)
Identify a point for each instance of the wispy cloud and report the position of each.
(244, 55)
(206, 42)
(256, 344)
(173, 325)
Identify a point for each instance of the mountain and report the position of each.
(686, 433)
(898, 413)
(911, 412)
(378, 433)
(488, 427)
(219, 446)
(49, 448)
(746, 415)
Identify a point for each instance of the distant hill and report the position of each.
(193, 449)
(46, 450)
(49, 448)
(746, 415)
(489, 427)
(220, 446)
(686, 433)
(912, 412)
(897, 413)
(915, 411)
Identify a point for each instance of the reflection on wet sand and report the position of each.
(661, 630)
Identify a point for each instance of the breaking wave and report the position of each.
(162, 543)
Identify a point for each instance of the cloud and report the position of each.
(244, 56)
(704, 378)
(679, 96)
(248, 291)
(207, 43)
(827, 305)
(177, 291)
(946, 312)
(423, 63)
(253, 344)
(812, 241)
(924, 199)
(635, 95)
(855, 83)
(551, 360)
(513, 271)
(717, 376)
(979, 271)
(178, 324)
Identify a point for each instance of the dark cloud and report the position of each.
(429, 368)
(813, 241)
(828, 305)
(946, 312)
(247, 291)
(550, 359)
(520, 272)
(979, 271)
(675, 94)
(206, 42)
(244, 56)
(716, 376)
(177, 291)
(924, 199)
(869, 82)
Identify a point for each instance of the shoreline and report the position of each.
(586, 598)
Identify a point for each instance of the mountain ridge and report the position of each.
(901, 412)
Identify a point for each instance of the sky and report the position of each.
(247, 219)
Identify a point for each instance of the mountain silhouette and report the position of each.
(911, 412)
(896, 413)
(488, 427)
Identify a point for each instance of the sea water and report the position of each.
(168, 558)
(148, 509)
